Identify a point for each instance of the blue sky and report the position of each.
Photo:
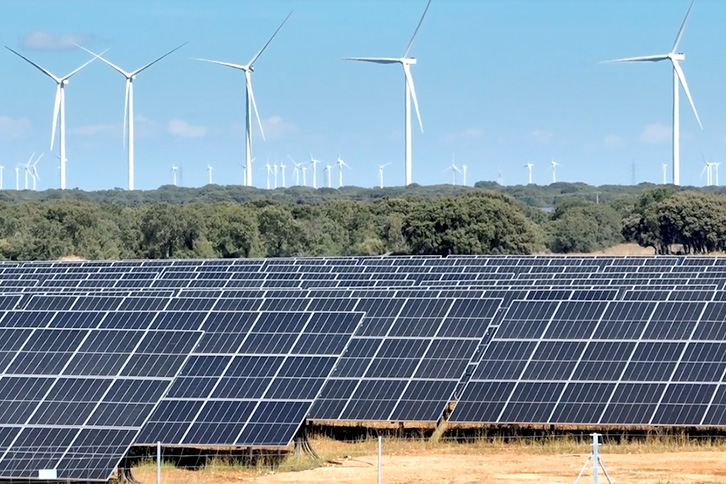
(499, 82)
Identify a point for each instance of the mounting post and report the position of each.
(158, 463)
(596, 462)
(380, 459)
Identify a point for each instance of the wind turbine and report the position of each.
(529, 166)
(296, 170)
(174, 170)
(328, 172)
(678, 77)
(454, 170)
(305, 177)
(129, 103)
(554, 166)
(409, 90)
(250, 101)
(209, 172)
(463, 173)
(268, 167)
(715, 165)
(34, 171)
(58, 109)
(500, 179)
(275, 171)
(28, 170)
(665, 173)
(314, 164)
(380, 173)
(341, 164)
(282, 172)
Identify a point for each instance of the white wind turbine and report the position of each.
(678, 78)
(500, 179)
(282, 172)
(328, 173)
(58, 109)
(553, 166)
(275, 171)
(268, 168)
(529, 167)
(463, 174)
(174, 171)
(341, 164)
(28, 170)
(305, 176)
(209, 172)
(454, 170)
(129, 103)
(380, 173)
(409, 90)
(314, 165)
(34, 171)
(250, 100)
(707, 171)
(715, 166)
(297, 173)
(665, 173)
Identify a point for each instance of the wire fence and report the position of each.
(383, 459)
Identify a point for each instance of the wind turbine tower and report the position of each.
(59, 109)
(679, 79)
(209, 172)
(529, 166)
(129, 104)
(463, 174)
(554, 166)
(341, 164)
(282, 172)
(328, 173)
(250, 100)
(314, 165)
(665, 173)
(380, 173)
(409, 91)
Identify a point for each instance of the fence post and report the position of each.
(380, 459)
(595, 458)
(158, 463)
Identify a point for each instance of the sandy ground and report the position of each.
(495, 467)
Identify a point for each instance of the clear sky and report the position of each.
(499, 82)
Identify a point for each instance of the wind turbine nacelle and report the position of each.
(410, 60)
(678, 56)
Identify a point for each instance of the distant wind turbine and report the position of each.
(34, 171)
(250, 101)
(454, 170)
(209, 172)
(409, 90)
(174, 170)
(499, 177)
(665, 173)
(380, 173)
(329, 172)
(28, 170)
(275, 171)
(129, 103)
(678, 77)
(715, 167)
(463, 174)
(59, 109)
(529, 166)
(341, 164)
(314, 165)
(554, 166)
(305, 177)
(282, 172)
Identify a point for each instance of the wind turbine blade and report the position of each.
(228, 64)
(84, 65)
(254, 104)
(41, 69)
(157, 60)
(56, 109)
(126, 109)
(102, 59)
(646, 58)
(682, 78)
(683, 26)
(377, 60)
(409, 80)
(410, 44)
(268, 42)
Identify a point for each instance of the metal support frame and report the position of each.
(596, 462)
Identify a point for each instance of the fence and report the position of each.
(388, 459)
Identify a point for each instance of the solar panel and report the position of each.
(74, 396)
(652, 362)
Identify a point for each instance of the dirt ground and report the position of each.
(509, 466)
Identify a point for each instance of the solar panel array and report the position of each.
(529, 340)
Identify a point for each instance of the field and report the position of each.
(422, 462)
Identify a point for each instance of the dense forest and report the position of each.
(233, 221)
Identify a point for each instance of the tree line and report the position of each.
(415, 220)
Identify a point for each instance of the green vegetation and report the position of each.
(232, 221)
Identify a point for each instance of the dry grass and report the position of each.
(337, 452)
